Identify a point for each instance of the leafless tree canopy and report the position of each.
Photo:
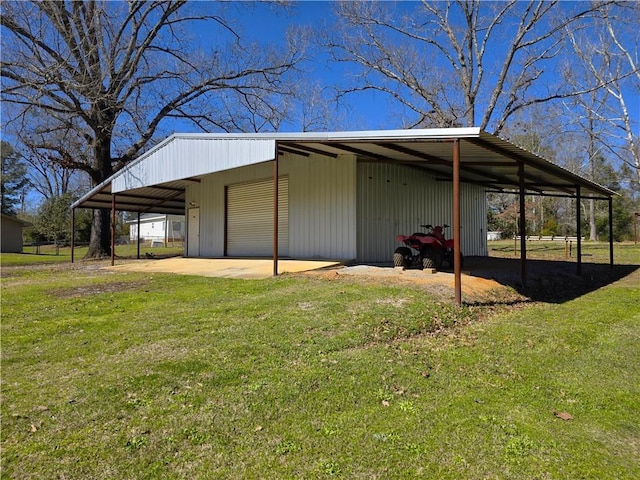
(605, 59)
(458, 63)
(90, 84)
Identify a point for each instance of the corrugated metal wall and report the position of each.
(393, 199)
(209, 196)
(250, 218)
(342, 209)
(322, 205)
(190, 157)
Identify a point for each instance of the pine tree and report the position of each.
(14, 179)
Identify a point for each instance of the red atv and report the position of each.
(432, 247)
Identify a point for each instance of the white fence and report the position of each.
(551, 238)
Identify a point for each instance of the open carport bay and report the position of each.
(483, 278)
(247, 268)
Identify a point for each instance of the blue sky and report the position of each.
(262, 22)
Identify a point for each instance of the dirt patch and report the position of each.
(20, 275)
(82, 266)
(95, 289)
(441, 284)
(490, 280)
(418, 277)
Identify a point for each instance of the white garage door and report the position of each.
(250, 218)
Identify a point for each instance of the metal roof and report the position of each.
(156, 181)
(10, 218)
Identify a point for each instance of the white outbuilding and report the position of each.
(155, 227)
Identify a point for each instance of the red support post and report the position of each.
(275, 211)
(523, 228)
(113, 230)
(579, 229)
(457, 270)
(611, 230)
(73, 233)
(138, 237)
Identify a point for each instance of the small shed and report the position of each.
(12, 234)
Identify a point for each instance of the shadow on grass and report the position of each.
(551, 281)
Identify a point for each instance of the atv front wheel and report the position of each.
(431, 258)
(402, 257)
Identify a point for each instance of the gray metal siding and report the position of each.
(209, 196)
(473, 217)
(393, 199)
(183, 158)
(11, 235)
(250, 218)
(322, 205)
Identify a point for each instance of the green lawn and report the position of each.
(118, 375)
(624, 253)
(49, 254)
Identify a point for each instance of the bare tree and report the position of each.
(13, 179)
(458, 63)
(586, 114)
(609, 58)
(308, 106)
(605, 60)
(48, 177)
(92, 84)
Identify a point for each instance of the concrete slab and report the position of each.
(221, 267)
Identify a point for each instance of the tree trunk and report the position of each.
(593, 233)
(100, 241)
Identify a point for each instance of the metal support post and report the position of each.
(611, 231)
(523, 228)
(73, 233)
(579, 229)
(138, 237)
(113, 230)
(275, 211)
(457, 270)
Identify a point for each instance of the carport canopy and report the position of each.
(156, 181)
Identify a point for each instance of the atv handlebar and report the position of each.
(429, 227)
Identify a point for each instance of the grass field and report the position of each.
(49, 254)
(119, 375)
(624, 253)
